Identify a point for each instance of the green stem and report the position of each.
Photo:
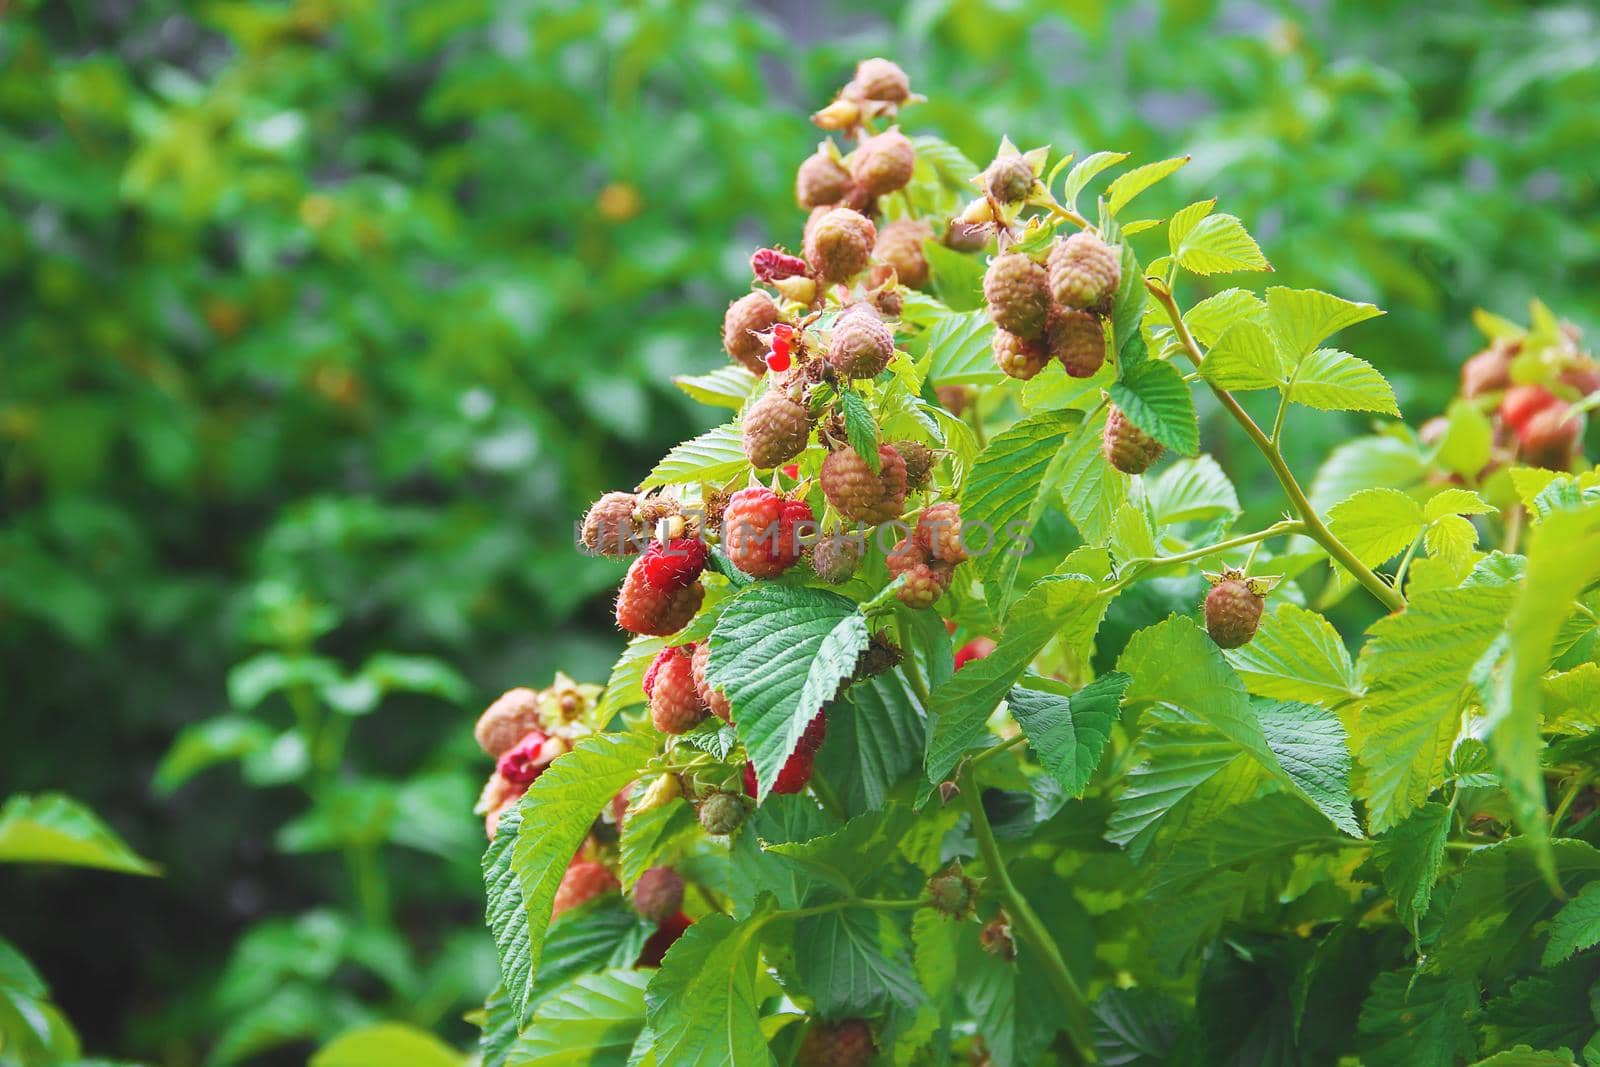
(913, 668)
(372, 891)
(1405, 563)
(827, 798)
(1571, 794)
(994, 750)
(1027, 921)
(1277, 421)
(1134, 567)
(1316, 529)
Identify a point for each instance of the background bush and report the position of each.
(321, 321)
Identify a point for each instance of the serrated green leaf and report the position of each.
(1244, 357)
(1210, 318)
(1085, 171)
(52, 828)
(715, 456)
(875, 735)
(1468, 439)
(1068, 734)
(1125, 187)
(1366, 463)
(1304, 318)
(1138, 1027)
(725, 387)
(592, 1021)
(960, 352)
(1275, 825)
(1185, 766)
(1296, 654)
(604, 932)
(779, 653)
(1191, 490)
(957, 276)
(385, 1044)
(1184, 222)
(1219, 244)
(701, 1006)
(1576, 926)
(1502, 894)
(1155, 398)
(1410, 858)
(1452, 539)
(1331, 380)
(1091, 489)
(1453, 501)
(860, 428)
(1376, 524)
(1313, 755)
(649, 836)
(1418, 1020)
(854, 962)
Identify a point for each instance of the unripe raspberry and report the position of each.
(836, 556)
(1432, 432)
(666, 935)
(644, 609)
(862, 343)
(1009, 179)
(1490, 370)
(612, 527)
(672, 565)
(776, 428)
(722, 813)
(1078, 340)
(1582, 374)
(584, 880)
(976, 649)
(955, 398)
(858, 493)
(952, 893)
(900, 246)
(1018, 293)
(1550, 437)
(919, 462)
(879, 79)
(1523, 402)
(841, 1044)
(967, 236)
(507, 720)
(838, 244)
(1019, 357)
(762, 532)
(715, 699)
(938, 533)
(1126, 447)
(525, 761)
(926, 580)
(1084, 271)
(1233, 610)
(751, 314)
(995, 938)
(821, 180)
(498, 797)
(675, 704)
(658, 894)
(884, 163)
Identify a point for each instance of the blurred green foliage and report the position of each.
(322, 320)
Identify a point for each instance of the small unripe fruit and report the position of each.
(715, 699)
(836, 556)
(900, 246)
(722, 813)
(884, 163)
(821, 180)
(507, 721)
(658, 894)
(838, 1044)
(838, 244)
(1489, 371)
(611, 527)
(751, 314)
(644, 609)
(762, 532)
(584, 880)
(1009, 179)
(1084, 271)
(1523, 402)
(879, 79)
(951, 892)
(995, 938)
(1018, 357)
(967, 236)
(675, 704)
(859, 494)
(955, 398)
(776, 428)
(1126, 447)
(926, 580)
(1078, 340)
(862, 343)
(1018, 294)
(1233, 611)
(1550, 437)
(938, 532)
(919, 459)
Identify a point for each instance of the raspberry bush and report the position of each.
(964, 718)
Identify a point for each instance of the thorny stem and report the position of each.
(1316, 529)
(1028, 923)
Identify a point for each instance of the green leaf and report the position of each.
(1216, 244)
(779, 653)
(1127, 186)
(1191, 490)
(1314, 756)
(1410, 858)
(1376, 524)
(875, 736)
(834, 858)
(647, 837)
(625, 688)
(1468, 440)
(1416, 664)
(1137, 1027)
(205, 744)
(701, 1006)
(1184, 221)
(854, 962)
(715, 456)
(726, 387)
(1576, 926)
(1456, 502)
(1155, 398)
(1304, 318)
(1244, 357)
(1069, 733)
(1331, 380)
(52, 828)
(1091, 489)
(1005, 494)
(1366, 463)
(1296, 655)
(1452, 539)
(1418, 1020)
(1501, 896)
(384, 1045)
(1068, 605)
(1523, 1056)
(959, 350)
(591, 1021)
(860, 428)
(1185, 766)
(957, 276)
(1210, 318)
(1085, 171)
(1274, 826)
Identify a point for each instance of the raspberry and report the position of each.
(1078, 340)
(497, 798)
(1523, 402)
(778, 358)
(675, 704)
(1582, 374)
(672, 565)
(838, 244)
(900, 246)
(861, 345)
(761, 531)
(776, 428)
(771, 265)
(858, 493)
(1126, 447)
(951, 892)
(751, 314)
(507, 720)
(1233, 610)
(883, 163)
(523, 762)
(926, 580)
(967, 236)
(919, 460)
(995, 938)
(938, 533)
(821, 181)
(879, 79)
(977, 648)
(955, 398)
(644, 609)
(1084, 271)
(836, 555)
(1018, 292)
(1550, 437)
(722, 813)
(658, 894)
(890, 303)
(1009, 179)
(666, 935)
(584, 880)
(1490, 370)
(715, 699)
(611, 527)
(1018, 357)
(796, 771)
(841, 1044)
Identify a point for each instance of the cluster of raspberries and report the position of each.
(523, 731)
(1053, 310)
(1528, 395)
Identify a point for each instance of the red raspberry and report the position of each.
(841, 1044)
(778, 359)
(527, 759)
(1233, 610)
(612, 526)
(1018, 293)
(584, 880)
(858, 493)
(751, 314)
(792, 778)
(762, 532)
(791, 471)
(715, 699)
(770, 265)
(673, 565)
(1523, 402)
(1550, 437)
(666, 935)
(926, 580)
(1018, 357)
(938, 533)
(675, 705)
(1084, 272)
(1078, 340)
(507, 720)
(658, 894)
(977, 648)
(1126, 447)
(1490, 370)
(644, 609)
